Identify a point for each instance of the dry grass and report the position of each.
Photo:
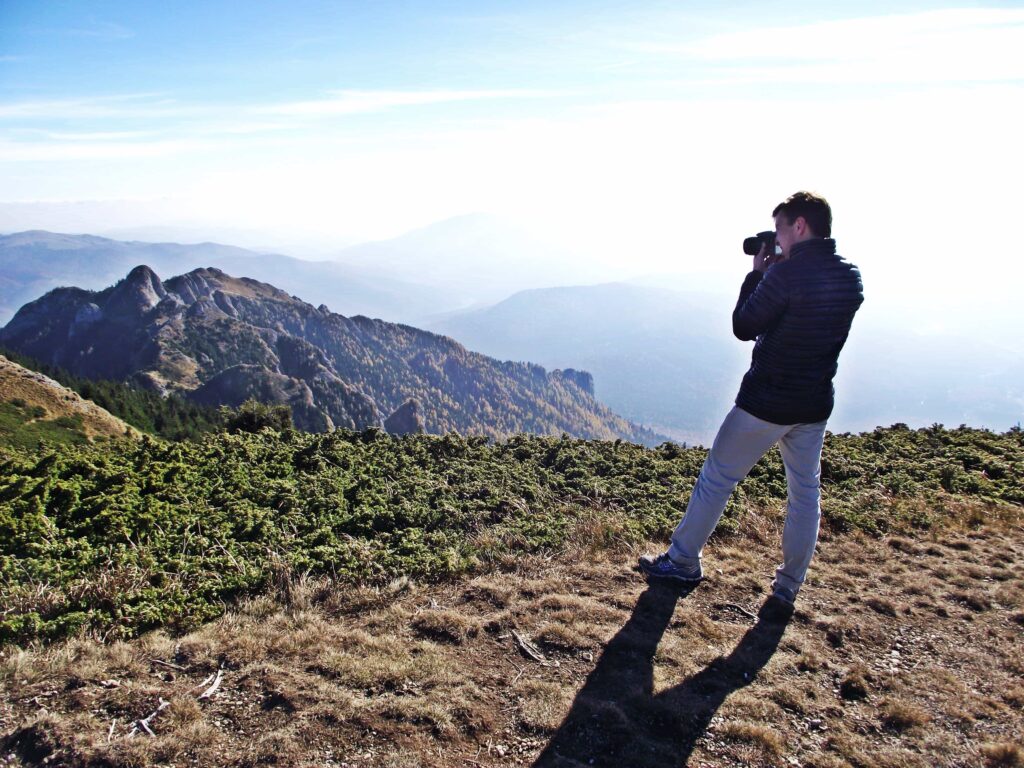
(1011, 595)
(365, 662)
(488, 592)
(882, 605)
(412, 675)
(1014, 696)
(445, 626)
(854, 685)
(974, 599)
(901, 716)
(35, 389)
(811, 661)
(1003, 755)
(542, 705)
(563, 637)
(768, 740)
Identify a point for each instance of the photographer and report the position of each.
(798, 302)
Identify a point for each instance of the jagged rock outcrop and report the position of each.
(86, 315)
(234, 385)
(406, 419)
(581, 379)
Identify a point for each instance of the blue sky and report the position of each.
(654, 129)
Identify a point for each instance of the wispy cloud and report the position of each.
(955, 45)
(98, 135)
(358, 102)
(136, 126)
(101, 30)
(336, 103)
(53, 151)
(121, 105)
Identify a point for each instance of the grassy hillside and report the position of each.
(35, 408)
(172, 417)
(116, 541)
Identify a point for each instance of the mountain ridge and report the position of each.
(221, 339)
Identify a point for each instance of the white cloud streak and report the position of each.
(945, 46)
(168, 127)
(98, 135)
(361, 102)
(50, 151)
(115, 106)
(337, 103)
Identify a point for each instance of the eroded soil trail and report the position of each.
(903, 652)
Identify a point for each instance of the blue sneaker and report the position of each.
(784, 594)
(664, 567)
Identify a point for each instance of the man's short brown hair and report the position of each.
(814, 208)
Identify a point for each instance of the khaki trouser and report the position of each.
(741, 441)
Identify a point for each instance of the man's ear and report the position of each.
(800, 224)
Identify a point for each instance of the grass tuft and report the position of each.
(973, 599)
(766, 739)
(445, 626)
(854, 685)
(902, 716)
(881, 605)
(542, 705)
(1003, 755)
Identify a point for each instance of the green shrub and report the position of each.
(120, 537)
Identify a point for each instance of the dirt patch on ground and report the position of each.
(903, 652)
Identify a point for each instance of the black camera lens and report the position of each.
(752, 245)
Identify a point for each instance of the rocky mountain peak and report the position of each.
(406, 419)
(207, 282)
(138, 293)
(582, 379)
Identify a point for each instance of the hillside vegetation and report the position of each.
(550, 652)
(116, 540)
(168, 416)
(34, 407)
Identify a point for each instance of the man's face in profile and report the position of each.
(786, 234)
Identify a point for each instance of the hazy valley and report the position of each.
(660, 356)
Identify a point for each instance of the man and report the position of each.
(799, 306)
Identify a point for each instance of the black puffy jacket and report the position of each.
(800, 312)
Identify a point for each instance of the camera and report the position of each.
(752, 245)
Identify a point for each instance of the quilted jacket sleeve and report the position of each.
(763, 300)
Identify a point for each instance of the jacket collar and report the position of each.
(816, 246)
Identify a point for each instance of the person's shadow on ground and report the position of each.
(617, 720)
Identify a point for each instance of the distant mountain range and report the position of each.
(474, 260)
(662, 358)
(34, 262)
(222, 340)
(668, 359)
(471, 260)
